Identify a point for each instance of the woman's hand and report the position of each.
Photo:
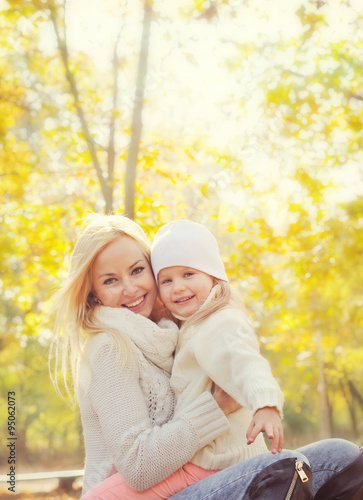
(268, 420)
(226, 403)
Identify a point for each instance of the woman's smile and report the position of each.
(135, 303)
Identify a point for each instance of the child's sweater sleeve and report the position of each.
(226, 349)
(144, 454)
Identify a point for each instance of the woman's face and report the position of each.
(122, 277)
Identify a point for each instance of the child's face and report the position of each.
(122, 277)
(183, 289)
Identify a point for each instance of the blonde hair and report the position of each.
(225, 296)
(74, 303)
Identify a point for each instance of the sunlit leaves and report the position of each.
(264, 148)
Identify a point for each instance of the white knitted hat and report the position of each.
(186, 243)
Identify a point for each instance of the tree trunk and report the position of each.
(106, 184)
(136, 126)
(355, 393)
(111, 152)
(325, 420)
(350, 405)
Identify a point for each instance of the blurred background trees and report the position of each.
(251, 117)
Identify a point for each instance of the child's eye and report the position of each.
(188, 275)
(137, 270)
(165, 282)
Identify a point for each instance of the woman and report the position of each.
(122, 380)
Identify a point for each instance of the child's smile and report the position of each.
(184, 299)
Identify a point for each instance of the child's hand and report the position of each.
(267, 419)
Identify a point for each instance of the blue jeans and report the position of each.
(324, 457)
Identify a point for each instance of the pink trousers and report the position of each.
(115, 488)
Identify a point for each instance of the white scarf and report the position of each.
(156, 341)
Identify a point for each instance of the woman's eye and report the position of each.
(109, 281)
(138, 270)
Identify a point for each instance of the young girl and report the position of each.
(217, 343)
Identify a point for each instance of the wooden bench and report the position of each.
(66, 477)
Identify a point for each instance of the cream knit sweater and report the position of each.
(224, 349)
(127, 415)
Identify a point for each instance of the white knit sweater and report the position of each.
(127, 416)
(224, 349)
